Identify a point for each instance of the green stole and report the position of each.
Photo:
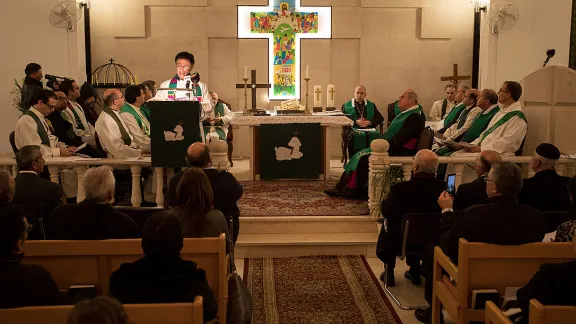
(123, 133)
(397, 110)
(501, 122)
(128, 109)
(393, 129)
(453, 115)
(41, 130)
(360, 137)
(146, 110)
(218, 112)
(174, 84)
(478, 126)
(463, 117)
(76, 116)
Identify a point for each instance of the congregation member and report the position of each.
(34, 129)
(419, 195)
(31, 86)
(102, 309)
(474, 193)
(365, 116)
(87, 100)
(112, 130)
(546, 190)
(466, 118)
(75, 114)
(94, 218)
(185, 77)
(226, 190)
(454, 114)
(402, 135)
(501, 220)
(162, 276)
(442, 107)
(195, 207)
(21, 284)
(217, 115)
(7, 189)
(566, 232)
(136, 120)
(34, 196)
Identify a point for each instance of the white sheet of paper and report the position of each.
(80, 147)
(367, 130)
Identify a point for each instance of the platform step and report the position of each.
(289, 245)
(307, 224)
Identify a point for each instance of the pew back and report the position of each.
(540, 314)
(180, 313)
(494, 315)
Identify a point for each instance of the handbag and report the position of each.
(239, 309)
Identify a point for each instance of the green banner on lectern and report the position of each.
(174, 125)
(290, 151)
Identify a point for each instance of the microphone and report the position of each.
(549, 54)
(187, 78)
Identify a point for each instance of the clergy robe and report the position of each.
(63, 129)
(75, 115)
(440, 109)
(220, 110)
(464, 122)
(201, 91)
(504, 137)
(138, 125)
(34, 129)
(403, 135)
(545, 191)
(114, 135)
(358, 140)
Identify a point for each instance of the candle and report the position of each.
(136, 78)
(245, 72)
(317, 96)
(330, 90)
(307, 70)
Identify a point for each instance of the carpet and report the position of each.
(296, 198)
(316, 290)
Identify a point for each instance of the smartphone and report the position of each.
(451, 184)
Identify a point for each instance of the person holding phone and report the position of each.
(474, 193)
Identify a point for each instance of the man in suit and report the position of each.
(501, 220)
(474, 192)
(227, 190)
(35, 196)
(546, 190)
(418, 195)
(94, 218)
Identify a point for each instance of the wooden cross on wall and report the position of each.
(455, 78)
(253, 85)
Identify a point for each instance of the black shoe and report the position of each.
(425, 315)
(414, 278)
(389, 280)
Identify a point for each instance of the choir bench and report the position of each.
(485, 266)
(181, 313)
(539, 314)
(92, 262)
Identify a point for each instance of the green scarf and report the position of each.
(397, 110)
(393, 129)
(76, 116)
(123, 133)
(351, 110)
(464, 116)
(218, 112)
(360, 137)
(453, 115)
(501, 122)
(174, 84)
(41, 130)
(479, 125)
(128, 109)
(146, 110)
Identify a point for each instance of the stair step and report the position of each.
(307, 224)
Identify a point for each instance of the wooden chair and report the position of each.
(12, 140)
(181, 313)
(484, 266)
(540, 314)
(493, 315)
(139, 214)
(344, 158)
(92, 262)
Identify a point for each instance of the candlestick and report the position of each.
(330, 90)
(136, 78)
(307, 110)
(245, 72)
(307, 70)
(246, 112)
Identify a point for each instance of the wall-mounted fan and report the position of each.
(502, 15)
(65, 15)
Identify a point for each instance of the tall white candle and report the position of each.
(307, 70)
(317, 96)
(330, 95)
(245, 72)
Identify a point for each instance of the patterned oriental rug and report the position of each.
(296, 198)
(316, 290)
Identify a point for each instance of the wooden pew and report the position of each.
(483, 266)
(181, 313)
(493, 315)
(92, 262)
(540, 314)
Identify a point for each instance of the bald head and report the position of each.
(425, 161)
(198, 155)
(407, 99)
(360, 93)
(486, 160)
(113, 98)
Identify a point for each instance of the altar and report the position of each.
(256, 126)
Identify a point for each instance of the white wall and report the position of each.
(26, 36)
(517, 52)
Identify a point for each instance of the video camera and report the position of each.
(52, 81)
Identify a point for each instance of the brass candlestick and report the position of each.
(307, 110)
(246, 112)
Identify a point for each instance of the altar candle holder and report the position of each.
(246, 112)
(307, 110)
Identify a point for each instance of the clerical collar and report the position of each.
(354, 102)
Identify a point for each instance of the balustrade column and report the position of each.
(459, 171)
(378, 162)
(560, 168)
(136, 198)
(80, 170)
(407, 171)
(54, 171)
(159, 186)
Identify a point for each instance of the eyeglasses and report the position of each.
(50, 106)
(76, 88)
(183, 67)
(506, 91)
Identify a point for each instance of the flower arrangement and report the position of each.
(16, 93)
(385, 179)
